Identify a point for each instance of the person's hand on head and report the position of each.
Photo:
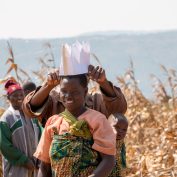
(53, 78)
(97, 74)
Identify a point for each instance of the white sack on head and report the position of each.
(75, 59)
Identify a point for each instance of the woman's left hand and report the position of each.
(97, 74)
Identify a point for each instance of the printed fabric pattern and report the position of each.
(71, 154)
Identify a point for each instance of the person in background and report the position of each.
(119, 123)
(45, 101)
(19, 136)
(28, 87)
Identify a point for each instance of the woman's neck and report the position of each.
(78, 112)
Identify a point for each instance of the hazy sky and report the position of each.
(58, 18)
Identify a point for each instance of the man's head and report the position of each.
(15, 94)
(120, 125)
(28, 87)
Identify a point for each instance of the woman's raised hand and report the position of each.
(97, 74)
(53, 78)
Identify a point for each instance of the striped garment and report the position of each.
(19, 137)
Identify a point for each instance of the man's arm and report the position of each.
(41, 95)
(114, 99)
(38, 103)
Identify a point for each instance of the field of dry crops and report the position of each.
(152, 135)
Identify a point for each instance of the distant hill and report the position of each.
(114, 49)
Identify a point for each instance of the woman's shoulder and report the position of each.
(94, 113)
(53, 119)
(94, 117)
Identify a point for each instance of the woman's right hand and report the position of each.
(40, 97)
(53, 78)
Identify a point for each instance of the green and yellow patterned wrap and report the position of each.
(71, 153)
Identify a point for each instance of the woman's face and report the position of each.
(16, 99)
(72, 94)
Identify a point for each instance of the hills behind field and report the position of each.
(114, 50)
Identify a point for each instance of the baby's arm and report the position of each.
(105, 167)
